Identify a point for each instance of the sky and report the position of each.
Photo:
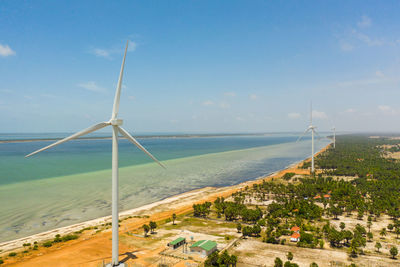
(200, 66)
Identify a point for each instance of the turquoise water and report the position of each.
(72, 183)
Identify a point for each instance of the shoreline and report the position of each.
(159, 210)
(7, 141)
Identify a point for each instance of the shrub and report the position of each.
(47, 244)
(69, 237)
(1, 261)
(35, 247)
(12, 254)
(26, 244)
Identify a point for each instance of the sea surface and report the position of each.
(71, 183)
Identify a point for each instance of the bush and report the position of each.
(47, 244)
(26, 244)
(69, 237)
(35, 247)
(1, 261)
(12, 254)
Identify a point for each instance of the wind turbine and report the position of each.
(313, 131)
(334, 136)
(116, 129)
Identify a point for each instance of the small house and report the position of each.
(204, 247)
(177, 242)
(295, 237)
(295, 229)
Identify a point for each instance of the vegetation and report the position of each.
(146, 229)
(221, 260)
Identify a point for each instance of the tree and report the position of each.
(289, 256)
(313, 264)
(146, 229)
(342, 226)
(247, 231)
(378, 246)
(278, 262)
(239, 227)
(173, 218)
(370, 236)
(369, 223)
(383, 232)
(390, 227)
(153, 225)
(394, 252)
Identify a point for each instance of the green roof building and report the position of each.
(177, 242)
(204, 247)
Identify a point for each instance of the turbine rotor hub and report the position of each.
(116, 122)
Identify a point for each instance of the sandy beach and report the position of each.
(90, 249)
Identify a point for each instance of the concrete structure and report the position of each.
(204, 247)
(177, 242)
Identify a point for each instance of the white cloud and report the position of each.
(346, 46)
(132, 46)
(387, 110)
(208, 103)
(294, 115)
(379, 74)
(108, 53)
(366, 39)
(364, 22)
(230, 94)
(6, 51)
(224, 105)
(239, 118)
(253, 96)
(350, 110)
(131, 97)
(48, 95)
(101, 53)
(91, 86)
(319, 114)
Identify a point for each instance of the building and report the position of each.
(204, 247)
(295, 237)
(295, 229)
(177, 242)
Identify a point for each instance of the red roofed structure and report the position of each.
(295, 237)
(295, 229)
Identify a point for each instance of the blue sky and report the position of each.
(200, 66)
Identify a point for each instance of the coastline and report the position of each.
(158, 210)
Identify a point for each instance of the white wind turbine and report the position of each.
(313, 131)
(334, 136)
(116, 129)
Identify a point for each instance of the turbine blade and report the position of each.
(301, 136)
(76, 135)
(118, 91)
(136, 143)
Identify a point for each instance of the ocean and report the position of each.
(71, 183)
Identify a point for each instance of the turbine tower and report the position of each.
(313, 131)
(116, 129)
(334, 136)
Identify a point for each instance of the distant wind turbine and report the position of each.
(313, 131)
(334, 136)
(116, 128)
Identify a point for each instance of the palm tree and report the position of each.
(173, 218)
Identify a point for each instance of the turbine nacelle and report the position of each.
(116, 122)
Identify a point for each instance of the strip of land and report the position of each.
(94, 243)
